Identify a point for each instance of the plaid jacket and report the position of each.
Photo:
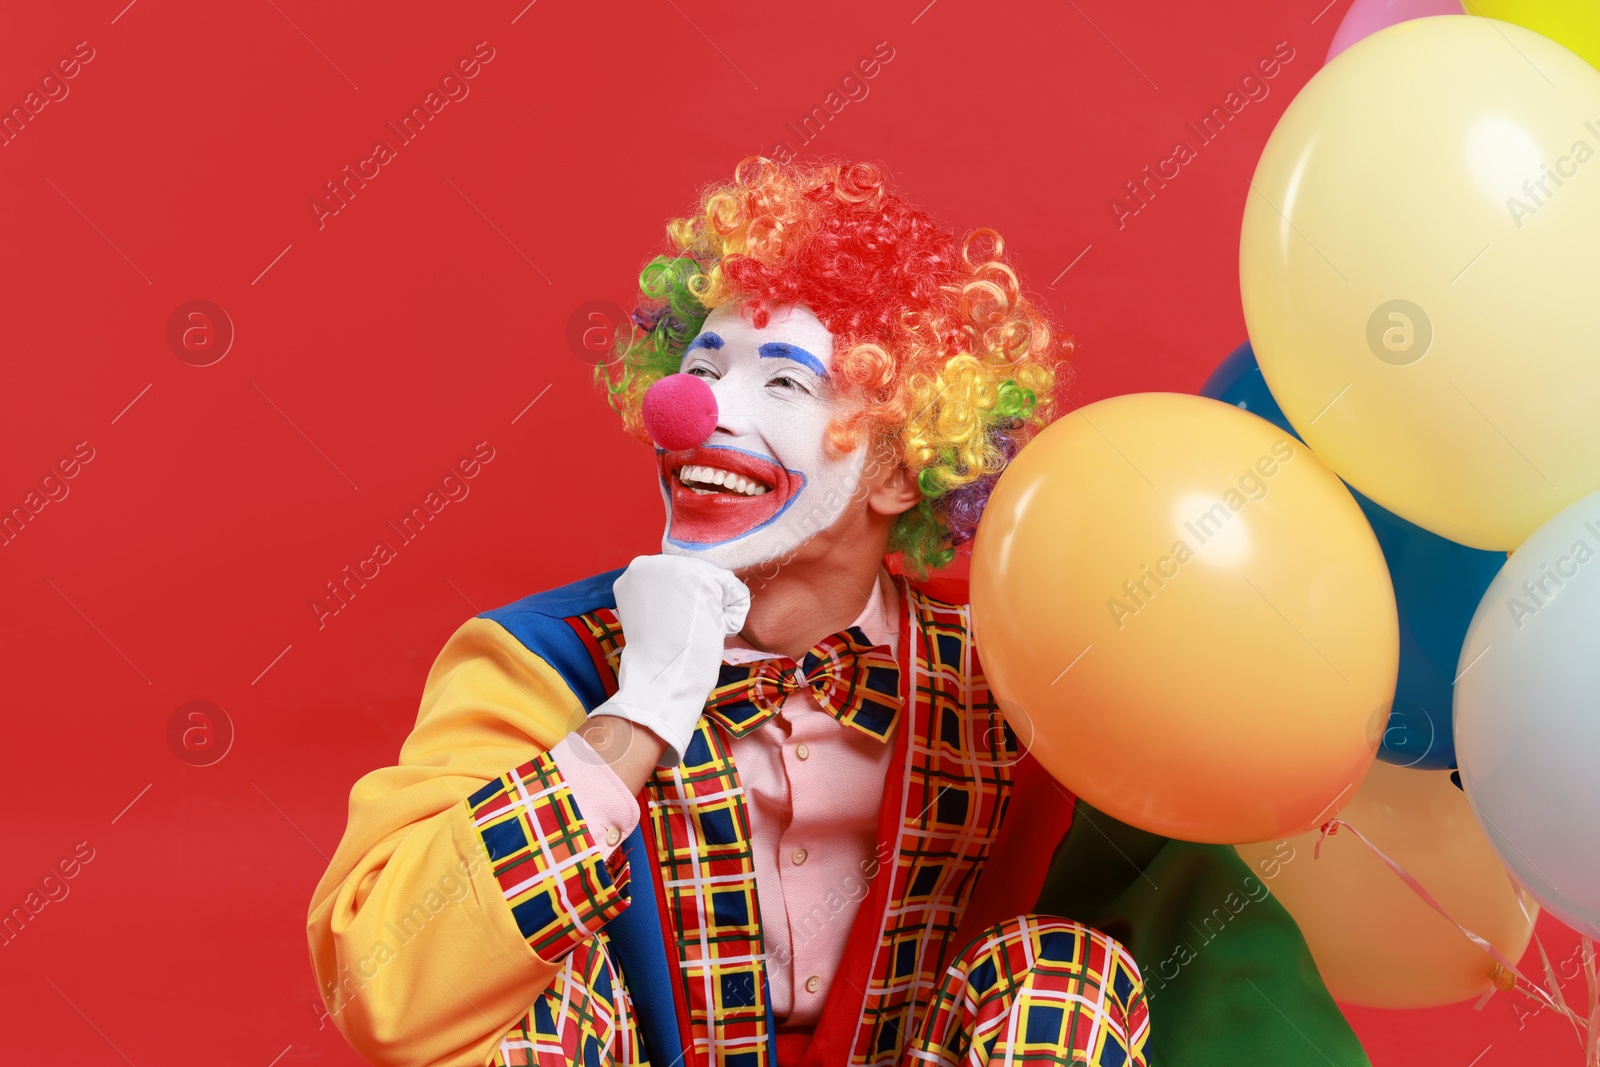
(674, 916)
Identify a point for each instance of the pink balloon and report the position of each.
(1367, 17)
(680, 411)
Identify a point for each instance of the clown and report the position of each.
(748, 802)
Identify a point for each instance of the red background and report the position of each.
(375, 350)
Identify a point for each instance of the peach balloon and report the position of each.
(1186, 618)
(1375, 941)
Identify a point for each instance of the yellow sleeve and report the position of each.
(423, 955)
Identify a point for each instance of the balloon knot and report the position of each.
(1329, 828)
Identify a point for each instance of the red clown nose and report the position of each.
(680, 411)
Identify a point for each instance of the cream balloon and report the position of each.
(1418, 273)
(1375, 941)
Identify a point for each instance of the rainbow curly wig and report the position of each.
(956, 366)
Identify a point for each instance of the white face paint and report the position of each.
(763, 483)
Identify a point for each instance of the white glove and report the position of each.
(675, 612)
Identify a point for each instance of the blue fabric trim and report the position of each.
(642, 955)
(772, 1025)
(539, 622)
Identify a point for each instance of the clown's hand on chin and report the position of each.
(676, 611)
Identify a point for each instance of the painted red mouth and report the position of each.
(719, 494)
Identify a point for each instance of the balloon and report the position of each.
(1375, 941)
(1528, 715)
(1437, 586)
(1573, 23)
(1418, 287)
(1367, 17)
(1185, 618)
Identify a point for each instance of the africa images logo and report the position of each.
(1212, 519)
(453, 88)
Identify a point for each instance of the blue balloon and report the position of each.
(1437, 586)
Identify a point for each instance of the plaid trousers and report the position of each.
(1033, 989)
(1036, 990)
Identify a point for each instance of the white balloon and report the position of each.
(1527, 714)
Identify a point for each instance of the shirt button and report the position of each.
(613, 835)
(802, 751)
(798, 856)
(813, 984)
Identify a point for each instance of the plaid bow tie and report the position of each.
(854, 680)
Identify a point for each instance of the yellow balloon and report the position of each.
(1186, 618)
(1573, 23)
(1375, 942)
(1418, 270)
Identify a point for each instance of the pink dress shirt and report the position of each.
(813, 787)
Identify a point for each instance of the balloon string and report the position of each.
(1556, 1003)
(1554, 985)
(1592, 1050)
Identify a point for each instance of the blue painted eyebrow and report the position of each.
(705, 340)
(784, 350)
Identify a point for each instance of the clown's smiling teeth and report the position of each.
(712, 479)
